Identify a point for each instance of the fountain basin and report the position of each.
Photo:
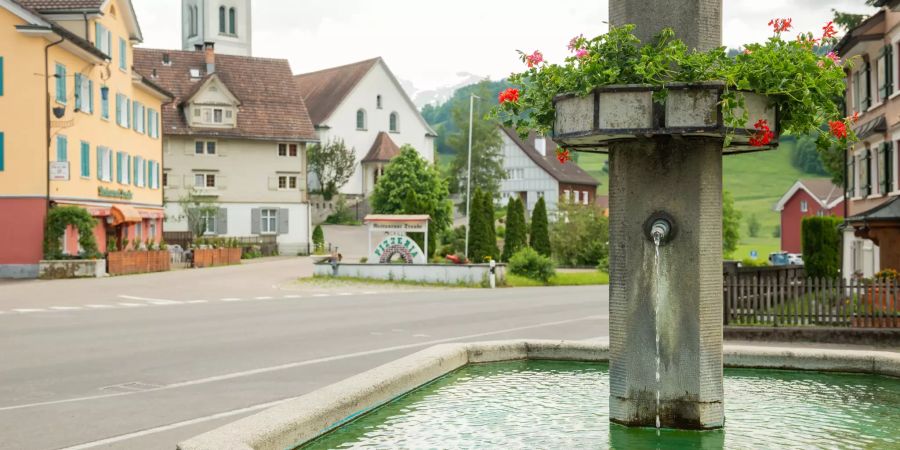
(627, 112)
(305, 418)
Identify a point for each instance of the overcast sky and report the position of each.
(429, 42)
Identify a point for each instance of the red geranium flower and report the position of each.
(854, 118)
(829, 31)
(563, 155)
(780, 25)
(838, 128)
(534, 59)
(763, 134)
(509, 95)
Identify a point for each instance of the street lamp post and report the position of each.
(472, 98)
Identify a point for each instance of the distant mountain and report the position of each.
(439, 95)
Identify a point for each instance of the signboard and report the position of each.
(401, 246)
(404, 227)
(114, 193)
(59, 171)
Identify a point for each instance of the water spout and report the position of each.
(659, 231)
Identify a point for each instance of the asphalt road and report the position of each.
(146, 361)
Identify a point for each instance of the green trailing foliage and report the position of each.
(531, 264)
(516, 235)
(539, 238)
(61, 217)
(821, 240)
(411, 186)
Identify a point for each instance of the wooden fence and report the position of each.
(783, 300)
(267, 245)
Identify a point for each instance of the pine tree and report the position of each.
(490, 241)
(318, 238)
(540, 231)
(476, 228)
(516, 238)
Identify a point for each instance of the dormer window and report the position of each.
(167, 59)
(215, 116)
(195, 74)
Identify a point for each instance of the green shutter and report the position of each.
(868, 190)
(1, 76)
(90, 98)
(97, 35)
(85, 159)
(2, 155)
(127, 112)
(78, 100)
(123, 54)
(61, 83)
(99, 163)
(61, 148)
(137, 170)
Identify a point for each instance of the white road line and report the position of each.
(132, 305)
(146, 299)
(66, 308)
(293, 296)
(321, 295)
(344, 294)
(137, 434)
(308, 362)
(421, 335)
(100, 306)
(197, 302)
(262, 298)
(231, 299)
(29, 310)
(369, 292)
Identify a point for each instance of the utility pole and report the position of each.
(472, 98)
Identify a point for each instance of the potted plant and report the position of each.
(613, 88)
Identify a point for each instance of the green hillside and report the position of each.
(757, 181)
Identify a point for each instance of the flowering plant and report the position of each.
(803, 86)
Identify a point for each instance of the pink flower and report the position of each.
(534, 59)
(573, 43)
(832, 55)
(582, 53)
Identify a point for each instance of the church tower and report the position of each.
(226, 23)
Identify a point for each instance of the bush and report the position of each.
(748, 262)
(753, 225)
(531, 264)
(821, 239)
(540, 230)
(516, 236)
(318, 238)
(342, 214)
(580, 236)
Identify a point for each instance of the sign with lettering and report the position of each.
(401, 246)
(59, 171)
(400, 227)
(114, 193)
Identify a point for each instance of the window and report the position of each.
(205, 148)
(885, 75)
(857, 92)
(804, 206)
(885, 163)
(866, 86)
(217, 115)
(208, 218)
(102, 39)
(60, 84)
(62, 151)
(104, 102)
(139, 170)
(361, 119)
(222, 19)
(104, 164)
(269, 219)
(139, 122)
(378, 101)
(393, 122)
(288, 150)
(1, 76)
(123, 111)
(2, 148)
(287, 182)
(152, 227)
(586, 197)
(204, 180)
(165, 179)
(851, 177)
(123, 55)
(85, 159)
(231, 19)
(152, 123)
(84, 94)
(192, 29)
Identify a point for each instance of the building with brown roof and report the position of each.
(533, 171)
(873, 87)
(364, 105)
(237, 134)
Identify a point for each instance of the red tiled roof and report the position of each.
(62, 5)
(324, 90)
(271, 104)
(563, 173)
(383, 149)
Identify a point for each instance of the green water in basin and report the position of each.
(563, 405)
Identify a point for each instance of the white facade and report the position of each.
(526, 176)
(227, 23)
(411, 128)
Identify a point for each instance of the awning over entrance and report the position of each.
(124, 214)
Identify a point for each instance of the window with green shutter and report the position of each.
(123, 54)
(61, 83)
(2, 152)
(851, 176)
(62, 150)
(868, 161)
(100, 156)
(78, 99)
(85, 159)
(104, 102)
(1, 76)
(884, 168)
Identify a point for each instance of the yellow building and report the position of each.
(78, 127)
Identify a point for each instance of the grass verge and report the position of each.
(561, 279)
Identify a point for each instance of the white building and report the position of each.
(532, 172)
(357, 103)
(225, 23)
(236, 133)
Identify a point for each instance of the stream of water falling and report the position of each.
(656, 241)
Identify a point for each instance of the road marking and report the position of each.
(132, 305)
(321, 295)
(421, 335)
(197, 302)
(369, 292)
(66, 308)
(172, 426)
(146, 299)
(344, 294)
(29, 310)
(308, 362)
(262, 298)
(231, 299)
(293, 296)
(100, 306)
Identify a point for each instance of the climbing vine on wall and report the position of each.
(58, 219)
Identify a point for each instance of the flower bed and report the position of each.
(211, 257)
(129, 262)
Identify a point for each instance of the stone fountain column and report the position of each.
(681, 179)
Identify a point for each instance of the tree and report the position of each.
(197, 209)
(516, 237)
(806, 157)
(318, 238)
(411, 186)
(482, 235)
(753, 225)
(487, 150)
(731, 225)
(821, 239)
(539, 238)
(333, 164)
(581, 235)
(490, 231)
(849, 21)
